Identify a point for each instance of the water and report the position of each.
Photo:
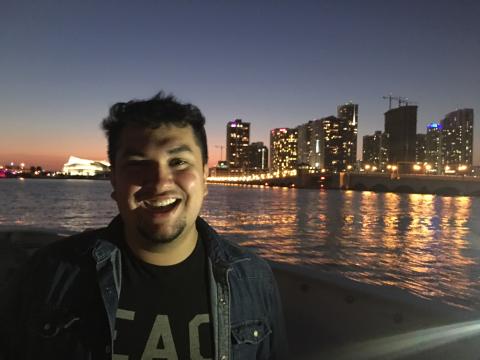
(426, 244)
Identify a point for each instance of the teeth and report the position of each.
(160, 203)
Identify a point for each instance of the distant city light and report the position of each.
(434, 125)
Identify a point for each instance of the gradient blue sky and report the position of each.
(272, 63)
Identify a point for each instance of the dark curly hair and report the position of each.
(152, 113)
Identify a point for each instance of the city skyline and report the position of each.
(272, 64)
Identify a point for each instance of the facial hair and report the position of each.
(159, 238)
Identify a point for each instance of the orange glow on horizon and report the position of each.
(55, 158)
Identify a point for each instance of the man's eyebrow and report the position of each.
(132, 153)
(179, 149)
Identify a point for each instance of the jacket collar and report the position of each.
(220, 251)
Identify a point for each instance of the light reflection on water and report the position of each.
(427, 244)
(422, 243)
(56, 204)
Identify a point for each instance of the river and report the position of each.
(426, 244)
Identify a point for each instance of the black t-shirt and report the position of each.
(164, 311)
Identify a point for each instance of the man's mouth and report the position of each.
(161, 205)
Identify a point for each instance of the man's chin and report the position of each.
(160, 236)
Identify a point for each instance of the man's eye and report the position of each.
(178, 162)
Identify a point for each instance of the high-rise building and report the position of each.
(331, 142)
(309, 150)
(304, 148)
(401, 127)
(375, 150)
(317, 153)
(457, 139)
(321, 144)
(420, 152)
(283, 149)
(433, 148)
(238, 138)
(348, 113)
(257, 155)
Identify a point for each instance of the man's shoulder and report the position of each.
(244, 262)
(70, 247)
(239, 252)
(227, 251)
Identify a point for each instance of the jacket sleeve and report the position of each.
(11, 304)
(279, 344)
(15, 300)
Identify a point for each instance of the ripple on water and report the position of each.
(426, 244)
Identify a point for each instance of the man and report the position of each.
(158, 282)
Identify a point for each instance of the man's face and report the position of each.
(159, 182)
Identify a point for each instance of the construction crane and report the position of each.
(406, 102)
(390, 98)
(401, 101)
(221, 151)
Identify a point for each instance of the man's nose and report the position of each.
(161, 177)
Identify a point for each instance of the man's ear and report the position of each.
(112, 181)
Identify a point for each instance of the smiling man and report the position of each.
(158, 282)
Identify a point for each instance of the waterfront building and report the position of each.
(220, 170)
(309, 148)
(283, 149)
(420, 149)
(304, 149)
(401, 127)
(332, 157)
(348, 113)
(317, 153)
(433, 148)
(375, 150)
(238, 138)
(457, 140)
(321, 145)
(257, 157)
(331, 143)
(82, 167)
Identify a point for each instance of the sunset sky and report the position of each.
(274, 63)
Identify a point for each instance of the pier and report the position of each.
(410, 183)
(377, 182)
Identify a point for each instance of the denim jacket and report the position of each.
(64, 304)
